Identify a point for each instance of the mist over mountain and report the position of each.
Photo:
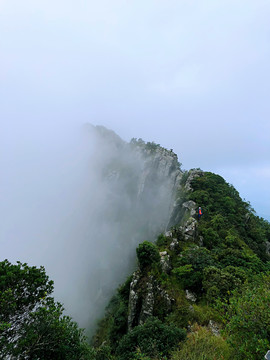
(79, 205)
(84, 205)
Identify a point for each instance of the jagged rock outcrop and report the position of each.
(190, 296)
(214, 327)
(190, 228)
(191, 176)
(135, 184)
(159, 178)
(145, 295)
(144, 289)
(133, 300)
(148, 301)
(165, 261)
(146, 175)
(174, 244)
(190, 207)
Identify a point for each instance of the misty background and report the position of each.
(190, 75)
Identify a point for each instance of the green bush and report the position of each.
(102, 353)
(147, 254)
(192, 263)
(202, 314)
(249, 319)
(32, 324)
(162, 241)
(153, 339)
(201, 344)
(218, 283)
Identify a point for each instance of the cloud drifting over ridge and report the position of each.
(192, 76)
(79, 204)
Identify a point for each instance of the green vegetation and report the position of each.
(201, 344)
(248, 326)
(153, 338)
(32, 324)
(224, 265)
(206, 296)
(148, 255)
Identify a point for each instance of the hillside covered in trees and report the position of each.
(201, 290)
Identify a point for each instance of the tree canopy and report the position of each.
(32, 324)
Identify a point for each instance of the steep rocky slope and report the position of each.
(136, 185)
(192, 278)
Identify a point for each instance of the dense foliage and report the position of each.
(32, 324)
(201, 344)
(225, 269)
(147, 254)
(200, 296)
(153, 338)
(248, 326)
(228, 221)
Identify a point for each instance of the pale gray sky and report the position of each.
(191, 75)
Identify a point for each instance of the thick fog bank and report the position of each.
(79, 203)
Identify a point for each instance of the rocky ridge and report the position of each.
(145, 293)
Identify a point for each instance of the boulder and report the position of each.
(190, 296)
(165, 261)
(190, 228)
(214, 327)
(190, 206)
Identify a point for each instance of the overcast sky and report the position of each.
(190, 75)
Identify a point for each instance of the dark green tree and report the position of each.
(249, 320)
(32, 324)
(153, 338)
(147, 254)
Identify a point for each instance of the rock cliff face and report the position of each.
(140, 177)
(136, 185)
(146, 299)
(146, 294)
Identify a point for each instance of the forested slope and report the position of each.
(202, 290)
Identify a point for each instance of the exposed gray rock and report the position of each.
(164, 164)
(168, 233)
(190, 296)
(214, 327)
(190, 206)
(160, 176)
(168, 301)
(148, 303)
(190, 228)
(165, 261)
(133, 299)
(174, 244)
(267, 247)
(192, 175)
(163, 253)
(247, 218)
(142, 299)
